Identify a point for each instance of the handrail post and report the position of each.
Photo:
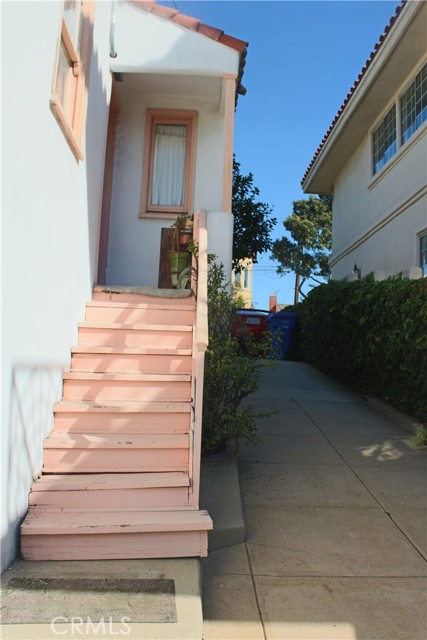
(200, 343)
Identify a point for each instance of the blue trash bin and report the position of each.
(283, 326)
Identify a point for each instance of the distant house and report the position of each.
(242, 281)
(373, 158)
(118, 117)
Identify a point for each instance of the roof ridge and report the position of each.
(356, 83)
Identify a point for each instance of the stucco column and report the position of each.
(229, 89)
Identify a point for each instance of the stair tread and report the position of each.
(135, 326)
(66, 440)
(128, 377)
(41, 522)
(150, 406)
(105, 481)
(139, 305)
(154, 293)
(156, 351)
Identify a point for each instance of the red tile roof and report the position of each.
(356, 84)
(191, 23)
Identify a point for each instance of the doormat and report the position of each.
(28, 600)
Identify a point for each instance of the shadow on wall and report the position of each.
(96, 130)
(34, 391)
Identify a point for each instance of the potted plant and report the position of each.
(179, 256)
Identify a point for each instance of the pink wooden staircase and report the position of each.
(121, 468)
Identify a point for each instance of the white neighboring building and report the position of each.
(77, 154)
(373, 159)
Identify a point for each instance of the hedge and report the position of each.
(372, 337)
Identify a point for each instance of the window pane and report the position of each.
(423, 253)
(384, 140)
(168, 186)
(246, 279)
(62, 75)
(413, 105)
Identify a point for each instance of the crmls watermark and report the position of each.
(77, 626)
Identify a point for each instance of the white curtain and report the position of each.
(169, 165)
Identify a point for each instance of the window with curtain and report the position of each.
(168, 182)
(169, 163)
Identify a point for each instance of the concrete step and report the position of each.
(151, 599)
(65, 535)
(130, 360)
(134, 313)
(111, 491)
(122, 417)
(115, 453)
(105, 387)
(135, 335)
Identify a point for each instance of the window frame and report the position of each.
(386, 156)
(71, 117)
(401, 147)
(422, 237)
(155, 117)
(411, 85)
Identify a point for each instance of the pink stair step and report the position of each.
(116, 481)
(110, 521)
(116, 441)
(122, 417)
(133, 313)
(111, 491)
(170, 298)
(130, 360)
(69, 535)
(117, 453)
(135, 335)
(103, 387)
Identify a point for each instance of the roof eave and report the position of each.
(377, 83)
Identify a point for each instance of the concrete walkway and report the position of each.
(335, 503)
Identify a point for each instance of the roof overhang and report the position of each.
(175, 54)
(403, 48)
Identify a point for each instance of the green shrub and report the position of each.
(232, 371)
(371, 336)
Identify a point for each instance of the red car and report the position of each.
(253, 320)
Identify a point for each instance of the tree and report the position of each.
(252, 221)
(307, 252)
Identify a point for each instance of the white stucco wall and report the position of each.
(134, 247)
(147, 42)
(50, 219)
(155, 46)
(376, 219)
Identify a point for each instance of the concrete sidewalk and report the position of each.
(335, 503)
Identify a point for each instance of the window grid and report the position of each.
(413, 105)
(385, 140)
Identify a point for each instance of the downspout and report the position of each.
(113, 53)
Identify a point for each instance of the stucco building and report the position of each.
(373, 158)
(101, 95)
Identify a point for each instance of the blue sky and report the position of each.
(303, 57)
